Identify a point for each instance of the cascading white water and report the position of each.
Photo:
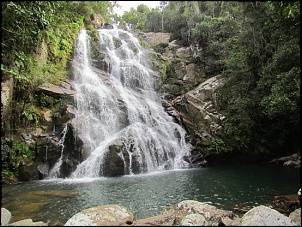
(122, 107)
(55, 171)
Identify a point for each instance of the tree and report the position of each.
(262, 101)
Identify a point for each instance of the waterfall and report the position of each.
(118, 114)
(55, 171)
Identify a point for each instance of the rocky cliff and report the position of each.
(189, 95)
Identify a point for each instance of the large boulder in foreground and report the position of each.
(204, 214)
(295, 216)
(5, 216)
(106, 215)
(265, 216)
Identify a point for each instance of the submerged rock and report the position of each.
(28, 222)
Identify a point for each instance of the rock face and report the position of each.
(114, 165)
(154, 38)
(202, 106)
(97, 20)
(6, 97)
(265, 216)
(48, 141)
(65, 88)
(107, 215)
(189, 92)
(293, 160)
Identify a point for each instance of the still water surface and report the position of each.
(55, 201)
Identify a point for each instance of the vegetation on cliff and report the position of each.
(37, 44)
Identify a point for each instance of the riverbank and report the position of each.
(185, 213)
(230, 187)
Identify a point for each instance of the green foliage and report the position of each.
(21, 23)
(262, 101)
(142, 42)
(154, 21)
(25, 26)
(131, 17)
(284, 98)
(32, 114)
(214, 144)
(86, 8)
(44, 101)
(160, 48)
(12, 152)
(166, 68)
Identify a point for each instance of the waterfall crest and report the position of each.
(118, 114)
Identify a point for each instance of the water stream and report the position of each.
(119, 106)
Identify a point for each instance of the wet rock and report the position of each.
(265, 216)
(72, 152)
(23, 174)
(107, 215)
(289, 161)
(43, 169)
(113, 162)
(286, 203)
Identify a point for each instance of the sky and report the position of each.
(126, 5)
